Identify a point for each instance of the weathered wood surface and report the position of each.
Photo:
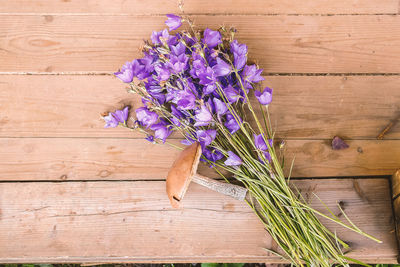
(312, 107)
(281, 44)
(202, 7)
(133, 222)
(136, 159)
(51, 129)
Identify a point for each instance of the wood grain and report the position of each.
(59, 159)
(133, 222)
(280, 44)
(201, 7)
(312, 107)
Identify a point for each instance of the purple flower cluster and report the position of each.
(192, 82)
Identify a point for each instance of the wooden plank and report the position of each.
(133, 222)
(282, 44)
(135, 159)
(303, 106)
(201, 7)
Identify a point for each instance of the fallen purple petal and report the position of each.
(338, 143)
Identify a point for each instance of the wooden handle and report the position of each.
(235, 191)
(395, 179)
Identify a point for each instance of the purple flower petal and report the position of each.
(163, 72)
(231, 123)
(221, 68)
(203, 116)
(162, 37)
(150, 138)
(205, 137)
(212, 38)
(178, 49)
(233, 159)
(264, 97)
(173, 22)
(187, 142)
(260, 142)
(220, 106)
(212, 155)
(126, 73)
(338, 143)
(185, 100)
(252, 74)
(239, 54)
(161, 131)
(208, 89)
(178, 63)
(207, 76)
(267, 157)
(146, 117)
(121, 115)
(111, 121)
(231, 94)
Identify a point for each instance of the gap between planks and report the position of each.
(84, 73)
(197, 14)
(230, 179)
(256, 7)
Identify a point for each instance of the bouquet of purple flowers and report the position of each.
(198, 83)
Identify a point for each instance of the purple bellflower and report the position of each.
(121, 115)
(203, 116)
(163, 72)
(252, 74)
(212, 154)
(205, 137)
(178, 49)
(208, 89)
(261, 145)
(146, 117)
(162, 37)
(231, 124)
(212, 38)
(111, 121)
(231, 94)
(264, 97)
(207, 76)
(178, 63)
(126, 73)
(161, 131)
(185, 100)
(233, 159)
(220, 107)
(260, 142)
(221, 68)
(239, 54)
(177, 116)
(114, 118)
(173, 22)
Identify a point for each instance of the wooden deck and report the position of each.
(71, 191)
